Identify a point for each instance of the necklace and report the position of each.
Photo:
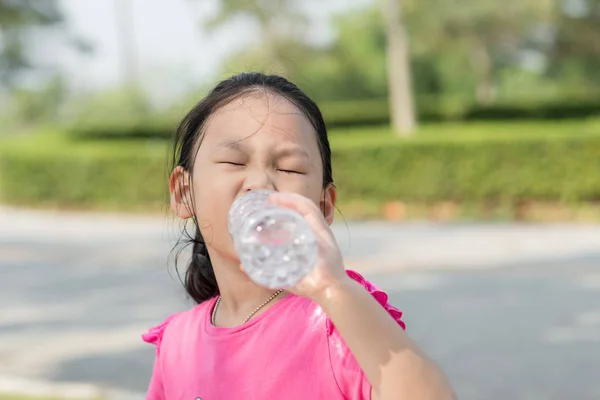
(214, 312)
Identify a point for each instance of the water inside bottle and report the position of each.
(275, 245)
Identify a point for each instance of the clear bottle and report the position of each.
(276, 246)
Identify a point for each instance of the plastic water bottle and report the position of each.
(276, 246)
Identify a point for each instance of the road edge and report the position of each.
(35, 388)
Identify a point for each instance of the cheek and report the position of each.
(312, 189)
(212, 200)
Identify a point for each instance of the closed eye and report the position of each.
(289, 171)
(231, 163)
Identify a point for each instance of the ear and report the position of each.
(180, 193)
(328, 203)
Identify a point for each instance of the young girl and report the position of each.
(332, 336)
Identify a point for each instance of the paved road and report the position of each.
(72, 308)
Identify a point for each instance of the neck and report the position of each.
(239, 294)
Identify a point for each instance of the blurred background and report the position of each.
(466, 150)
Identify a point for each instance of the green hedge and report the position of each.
(72, 179)
(157, 127)
(557, 169)
(531, 111)
(564, 169)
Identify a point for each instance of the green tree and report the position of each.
(359, 49)
(281, 27)
(39, 105)
(352, 67)
(481, 36)
(574, 54)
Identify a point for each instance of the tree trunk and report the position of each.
(483, 67)
(126, 37)
(402, 110)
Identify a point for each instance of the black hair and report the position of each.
(200, 282)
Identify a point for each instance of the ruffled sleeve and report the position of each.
(379, 295)
(348, 374)
(154, 336)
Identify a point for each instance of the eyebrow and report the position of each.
(232, 144)
(291, 151)
(282, 152)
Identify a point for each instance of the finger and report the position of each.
(306, 208)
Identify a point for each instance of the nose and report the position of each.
(258, 179)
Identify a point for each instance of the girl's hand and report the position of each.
(329, 270)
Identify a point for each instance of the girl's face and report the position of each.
(259, 141)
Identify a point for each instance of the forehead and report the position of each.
(261, 118)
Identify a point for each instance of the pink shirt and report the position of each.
(291, 351)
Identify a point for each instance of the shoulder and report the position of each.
(175, 323)
(379, 295)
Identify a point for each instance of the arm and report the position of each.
(391, 361)
(393, 364)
